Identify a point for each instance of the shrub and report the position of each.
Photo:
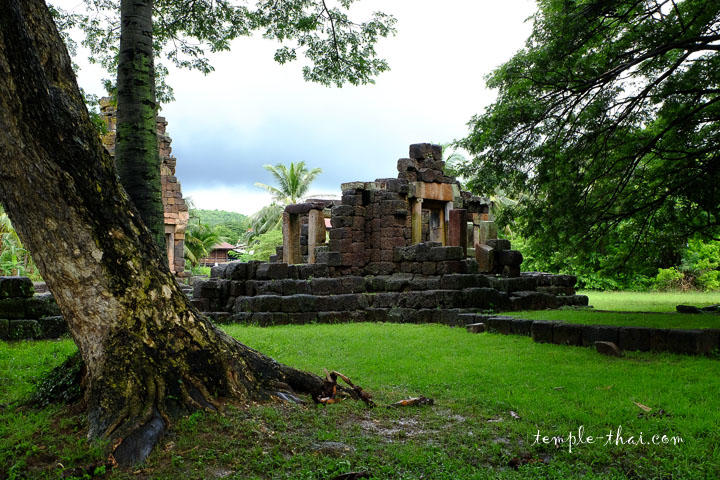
(670, 279)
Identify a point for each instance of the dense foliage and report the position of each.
(607, 130)
(14, 257)
(263, 246)
(199, 241)
(231, 225)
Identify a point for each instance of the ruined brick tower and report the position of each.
(174, 206)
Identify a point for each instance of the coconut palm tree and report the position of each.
(199, 240)
(293, 182)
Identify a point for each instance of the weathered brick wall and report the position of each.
(278, 293)
(176, 211)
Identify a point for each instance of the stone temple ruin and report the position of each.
(175, 209)
(409, 249)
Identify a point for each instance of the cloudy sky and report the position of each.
(252, 111)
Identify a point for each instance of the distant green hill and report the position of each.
(231, 225)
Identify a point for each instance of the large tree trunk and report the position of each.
(149, 355)
(136, 150)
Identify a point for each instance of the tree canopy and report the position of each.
(607, 127)
(339, 49)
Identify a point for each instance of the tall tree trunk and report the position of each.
(136, 150)
(150, 355)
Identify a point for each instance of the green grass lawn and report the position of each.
(649, 301)
(492, 393)
(636, 309)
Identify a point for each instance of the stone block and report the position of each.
(438, 254)
(272, 271)
(298, 303)
(42, 305)
(422, 151)
(236, 288)
(476, 328)
(485, 257)
(302, 318)
(384, 300)
(529, 300)
(609, 349)
(469, 265)
(218, 271)
(221, 318)
(573, 300)
(403, 315)
(341, 222)
(375, 283)
(481, 298)
(236, 271)
(522, 326)
(422, 282)
(308, 271)
(13, 308)
(512, 258)
(353, 284)
(500, 324)
(202, 304)
(449, 266)
(242, 318)
(690, 342)
(398, 282)
(556, 290)
(376, 314)
(52, 327)
(354, 200)
(508, 271)
(515, 284)
(428, 268)
(635, 338)
(568, 334)
(326, 286)
(331, 259)
(341, 233)
(16, 287)
(498, 244)
(449, 299)
(459, 281)
(452, 316)
(599, 333)
(23, 329)
(279, 318)
(262, 319)
(542, 332)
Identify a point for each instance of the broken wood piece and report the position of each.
(413, 402)
(329, 395)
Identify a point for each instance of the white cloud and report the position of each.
(252, 111)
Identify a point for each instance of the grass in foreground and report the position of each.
(492, 395)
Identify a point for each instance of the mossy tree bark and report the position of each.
(149, 355)
(136, 150)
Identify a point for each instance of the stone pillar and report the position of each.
(457, 229)
(416, 221)
(291, 238)
(486, 231)
(316, 232)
